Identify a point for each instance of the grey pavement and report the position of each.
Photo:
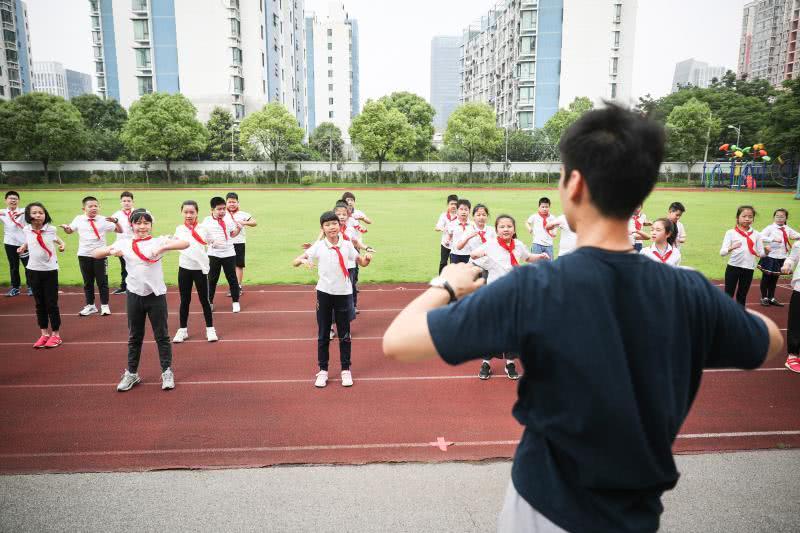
(733, 492)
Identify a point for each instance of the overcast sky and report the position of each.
(395, 37)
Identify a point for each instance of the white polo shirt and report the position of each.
(88, 240)
(681, 234)
(223, 242)
(125, 224)
(457, 232)
(195, 257)
(240, 216)
(636, 223)
(441, 225)
(541, 236)
(144, 278)
(791, 262)
(12, 231)
(670, 256)
(332, 279)
(497, 259)
(742, 257)
(773, 237)
(484, 235)
(569, 239)
(38, 258)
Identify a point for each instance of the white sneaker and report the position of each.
(105, 310)
(236, 307)
(211, 335)
(167, 379)
(347, 378)
(128, 381)
(181, 335)
(322, 379)
(333, 333)
(88, 310)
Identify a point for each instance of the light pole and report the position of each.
(330, 156)
(233, 142)
(738, 132)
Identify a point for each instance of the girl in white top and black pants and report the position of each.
(778, 237)
(745, 246)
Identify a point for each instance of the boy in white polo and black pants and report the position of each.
(13, 219)
(222, 229)
(123, 217)
(244, 220)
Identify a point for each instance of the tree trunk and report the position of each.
(169, 172)
(275, 161)
(45, 162)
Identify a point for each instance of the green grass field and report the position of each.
(402, 229)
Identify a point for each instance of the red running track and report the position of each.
(249, 399)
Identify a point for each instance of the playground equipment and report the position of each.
(739, 168)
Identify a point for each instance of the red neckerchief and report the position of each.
(750, 243)
(636, 222)
(13, 216)
(463, 226)
(91, 223)
(196, 235)
(544, 224)
(665, 257)
(221, 222)
(141, 256)
(127, 213)
(40, 240)
(509, 247)
(343, 231)
(785, 238)
(357, 226)
(482, 235)
(447, 213)
(341, 261)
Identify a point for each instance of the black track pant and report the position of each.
(328, 307)
(444, 256)
(155, 308)
(94, 271)
(44, 284)
(737, 282)
(187, 278)
(123, 275)
(228, 265)
(793, 330)
(13, 264)
(768, 284)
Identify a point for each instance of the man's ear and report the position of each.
(575, 188)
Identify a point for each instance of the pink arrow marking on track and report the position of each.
(441, 444)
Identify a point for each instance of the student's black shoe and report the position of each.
(511, 371)
(120, 291)
(775, 302)
(486, 371)
(765, 302)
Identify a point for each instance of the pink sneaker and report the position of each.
(53, 341)
(793, 363)
(41, 342)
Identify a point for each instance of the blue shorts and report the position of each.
(540, 248)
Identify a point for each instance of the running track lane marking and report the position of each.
(302, 380)
(324, 447)
(310, 290)
(70, 315)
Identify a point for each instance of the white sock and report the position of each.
(487, 361)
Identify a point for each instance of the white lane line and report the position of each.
(175, 313)
(309, 290)
(201, 341)
(337, 447)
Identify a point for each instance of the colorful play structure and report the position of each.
(739, 168)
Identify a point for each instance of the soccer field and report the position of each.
(402, 230)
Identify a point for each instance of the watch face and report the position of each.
(437, 282)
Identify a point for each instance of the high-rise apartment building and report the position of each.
(527, 58)
(50, 77)
(16, 63)
(768, 42)
(78, 83)
(333, 72)
(234, 54)
(445, 77)
(695, 73)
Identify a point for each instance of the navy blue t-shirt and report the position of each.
(613, 345)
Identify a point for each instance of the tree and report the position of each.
(326, 140)
(472, 127)
(564, 118)
(221, 141)
(164, 127)
(272, 133)
(690, 128)
(783, 133)
(380, 132)
(419, 114)
(104, 120)
(42, 127)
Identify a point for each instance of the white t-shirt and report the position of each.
(681, 234)
(38, 258)
(12, 232)
(791, 262)
(356, 225)
(569, 239)
(742, 257)
(457, 232)
(195, 257)
(497, 259)
(223, 242)
(144, 278)
(541, 236)
(125, 224)
(636, 222)
(441, 225)
(773, 237)
(240, 216)
(671, 256)
(484, 235)
(88, 240)
(332, 279)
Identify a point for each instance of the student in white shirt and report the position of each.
(745, 246)
(441, 225)
(358, 218)
(245, 220)
(480, 234)
(636, 225)
(663, 248)
(778, 237)
(334, 293)
(458, 229)
(92, 229)
(123, 217)
(793, 328)
(674, 214)
(569, 239)
(41, 243)
(193, 270)
(540, 225)
(147, 295)
(498, 256)
(222, 230)
(13, 221)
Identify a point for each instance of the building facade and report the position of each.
(233, 54)
(16, 60)
(445, 78)
(50, 77)
(517, 59)
(768, 41)
(78, 83)
(332, 69)
(695, 73)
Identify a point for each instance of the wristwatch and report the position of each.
(441, 283)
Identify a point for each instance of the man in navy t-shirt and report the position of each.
(613, 344)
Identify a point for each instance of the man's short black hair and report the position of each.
(452, 198)
(217, 200)
(619, 154)
(544, 200)
(232, 195)
(126, 194)
(328, 216)
(676, 206)
(12, 193)
(464, 201)
(88, 199)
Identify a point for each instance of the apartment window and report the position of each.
(618, 13)
(15, 92)
(139, 5)
(261, 6)
(275, 20)
(238, 111)
(236, 56)
(527, 45)
(330, 114)
(92, 5)
(526, 95)
(330, 72)
(96, 38)
(330, 101)
(95, 23)
(330, 46)
(264, 86)
(143, 58)
(145, 85)
(262, 59)
(330, 87)
(330, 60)
(2, 90)
(11, 55)
(527, 21)
(141, 30)
(615, 39)
(9, 36)
(526, 69)
(526, 120)
(614, 66)
(7, 16)
(236, 28)
(238, 84)
(99, 68)
(330, 32)
(262, 31)
(98, 52)
(613, 90)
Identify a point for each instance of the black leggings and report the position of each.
(44, 285)
(768, 284)
(444, 256)
(123, 275)
(13, 264)
(227, 264)
(742, 277)
(187, 278)
(332, 308)
(793, 330)
(139, 309)
(94, 270)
